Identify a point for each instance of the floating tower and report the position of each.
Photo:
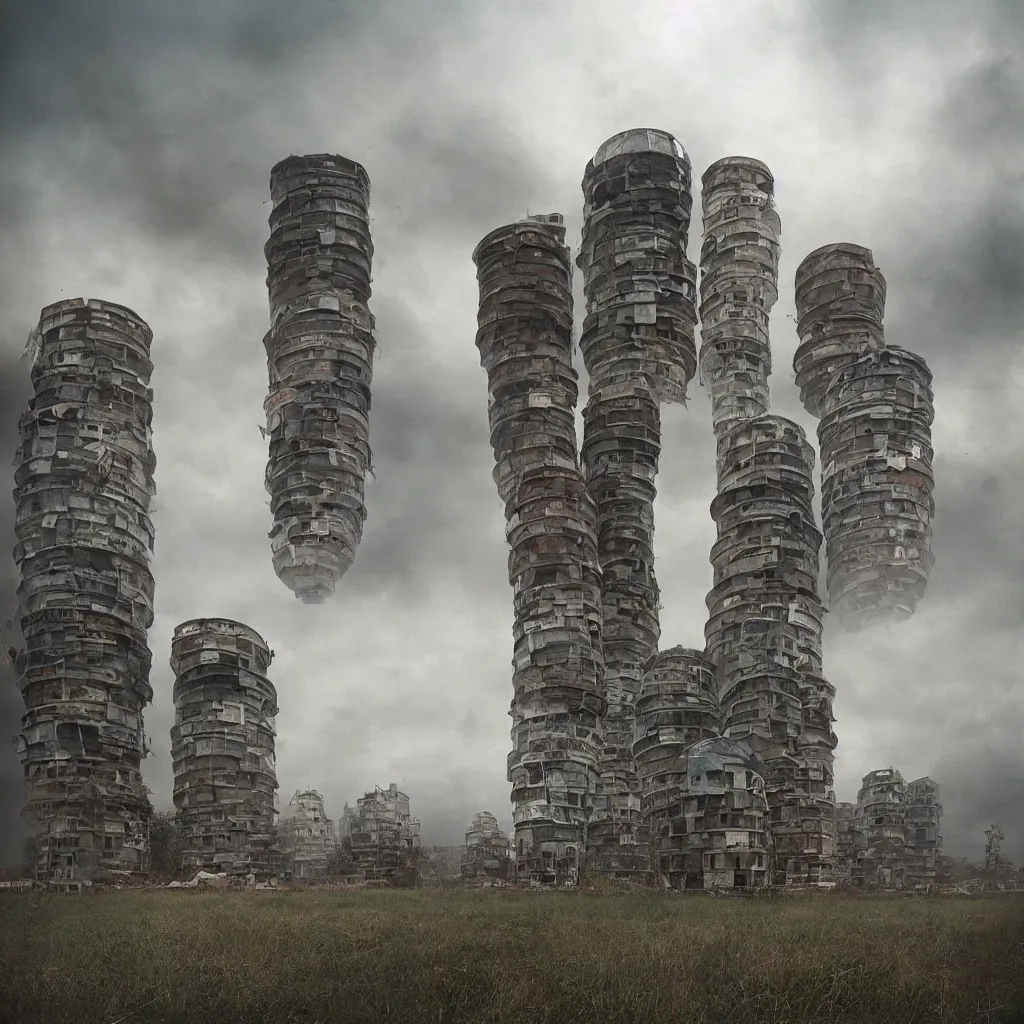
(320, 362)
(83, 485)
(876, 409)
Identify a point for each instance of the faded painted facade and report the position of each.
(320, 350)
(83, 485)
(222, 746)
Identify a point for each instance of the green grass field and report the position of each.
(504, 956)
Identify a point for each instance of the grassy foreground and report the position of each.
(504, 956)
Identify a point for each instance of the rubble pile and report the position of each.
(739, 262)
(525, 344)
(308, 843)
(383, 838)
(677, 706)
(638, 348)
(486, 856)
(875, 407)
(83, 486)
(320, 361)
(222, 746)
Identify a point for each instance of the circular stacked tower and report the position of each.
(739, 261)
(320, 362)
(222, 745)
(525, 344)
(764, 632)
(83, 486)
(638, 347)
(676, 707)
(875, 407)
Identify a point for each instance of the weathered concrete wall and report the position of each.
(320, 361)
(525, 344)
(84, 481)
(639, 350)
(222, 746)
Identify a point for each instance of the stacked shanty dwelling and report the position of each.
(222, 746)
(703, 796)
(875, 407)
(486, 854)
(525, 344)
(84, 481)
(320, 361)
(308, 843)
(765, 615)
(639, 351)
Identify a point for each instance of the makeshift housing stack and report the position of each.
(320, 362)
(83, 485)
(525, 344)
(739, 262)
(638, 347)
(308, 843)
(677, 707)
(486, 856)
(765, 615)
(882, 817)
(923, 820)
(222, 746)
(875, 407)
(384, 836)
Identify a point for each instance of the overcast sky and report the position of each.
(136, 143)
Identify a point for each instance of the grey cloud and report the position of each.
(154, 126)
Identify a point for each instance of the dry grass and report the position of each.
(503, 956)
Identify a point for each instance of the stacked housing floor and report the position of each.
(765, 616)
(222, 748)
(83, 485)
(875, 407)
(638, 348)
(525, 344)
(703, 795)
(320, 362)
